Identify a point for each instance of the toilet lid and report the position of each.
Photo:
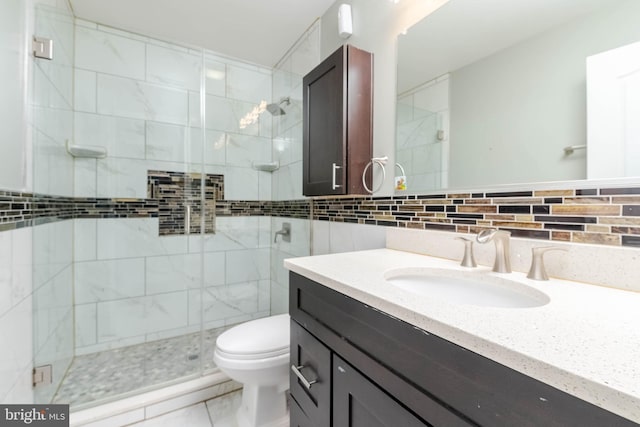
(266, 337)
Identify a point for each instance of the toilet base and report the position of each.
(263, 406)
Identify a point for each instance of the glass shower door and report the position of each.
(121, 276)
(51, 108)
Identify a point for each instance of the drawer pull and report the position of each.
(305, 382)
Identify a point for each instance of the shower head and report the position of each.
(275, 109)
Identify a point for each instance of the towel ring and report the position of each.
(380, 161)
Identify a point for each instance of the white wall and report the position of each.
(527, 102)
(336, 237)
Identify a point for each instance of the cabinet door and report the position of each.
(337, 142)
(324, 140)
(357, 402)
(313, 361)
(297, 416)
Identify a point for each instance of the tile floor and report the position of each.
(102, 376)
(218, 412)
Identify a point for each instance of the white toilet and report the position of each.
(256, 354)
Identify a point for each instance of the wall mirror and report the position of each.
(496, 92)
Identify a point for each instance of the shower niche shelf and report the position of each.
(266, 167)
(86, 151)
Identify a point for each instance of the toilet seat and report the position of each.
(258, 339)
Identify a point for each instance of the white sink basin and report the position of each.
(479, 288)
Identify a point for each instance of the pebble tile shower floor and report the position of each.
(107, 374)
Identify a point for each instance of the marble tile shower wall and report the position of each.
(16, 316)
(140, 98)
(133, 285)
(287, 151)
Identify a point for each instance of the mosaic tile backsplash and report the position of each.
(605, 216)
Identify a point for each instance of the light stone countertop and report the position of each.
(585, 341)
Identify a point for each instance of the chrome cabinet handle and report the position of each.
(305, 382)
(334, 167)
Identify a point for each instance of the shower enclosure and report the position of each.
(157, 247)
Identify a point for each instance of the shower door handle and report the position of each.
(334, 168)
(187, 220)
(305, 382)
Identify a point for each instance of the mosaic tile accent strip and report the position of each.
(18, 210)
(283, 208)
(15, 210)
(606, 216)
(178, 195)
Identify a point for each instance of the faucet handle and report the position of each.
(537, 270)
(488, 234)
(468, 260)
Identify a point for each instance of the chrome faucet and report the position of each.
(502, 263)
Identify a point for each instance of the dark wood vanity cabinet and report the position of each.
(337, 123)
(367, 368)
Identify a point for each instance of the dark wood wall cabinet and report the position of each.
(337, 123)
(354, 365)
